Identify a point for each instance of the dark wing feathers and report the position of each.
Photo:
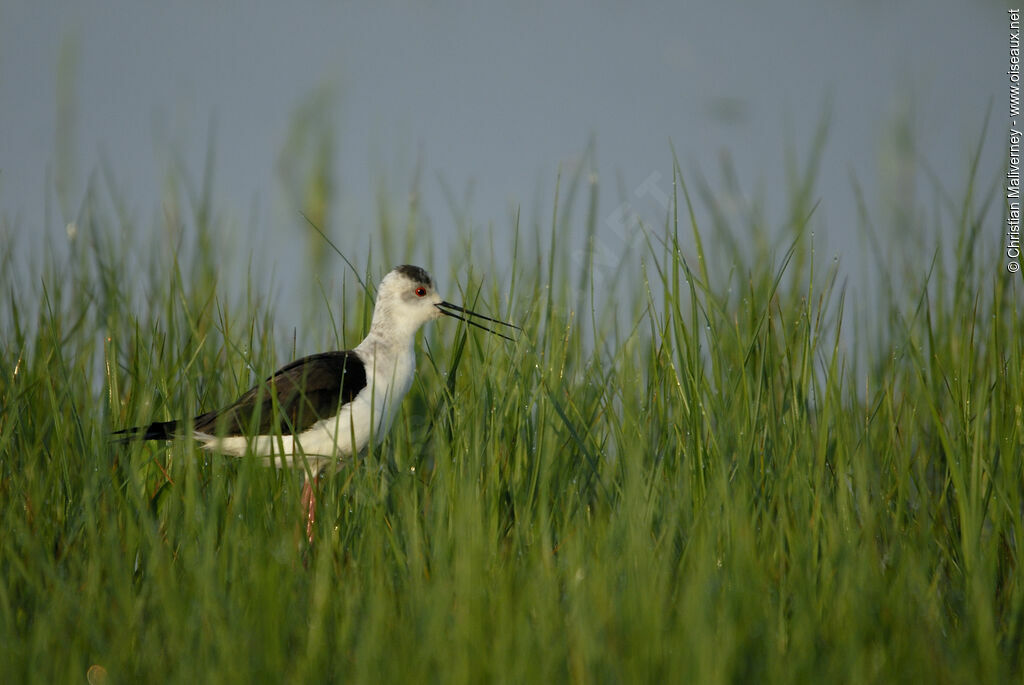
(158, 430)
(293, 399)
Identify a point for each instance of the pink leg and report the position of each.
(309, 488)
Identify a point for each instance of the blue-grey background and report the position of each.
(485, 103)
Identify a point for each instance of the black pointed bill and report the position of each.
(450, 309)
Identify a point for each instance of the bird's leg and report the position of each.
(309, 488)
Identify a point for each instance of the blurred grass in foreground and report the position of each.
(715, 494)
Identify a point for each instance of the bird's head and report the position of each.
(407, 299)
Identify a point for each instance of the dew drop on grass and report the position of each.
(96, 675)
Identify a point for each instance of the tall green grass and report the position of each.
(718, 484)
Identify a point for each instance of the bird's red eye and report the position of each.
(421, 291)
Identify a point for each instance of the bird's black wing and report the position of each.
(293, 399)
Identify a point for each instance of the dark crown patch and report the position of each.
(415, 273)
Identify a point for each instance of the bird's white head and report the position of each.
(407, 299)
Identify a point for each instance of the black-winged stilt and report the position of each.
(318, 410)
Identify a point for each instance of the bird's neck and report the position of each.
(386, 341)
(391, 361)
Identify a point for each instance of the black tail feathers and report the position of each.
(158, 430)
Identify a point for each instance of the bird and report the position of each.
(318, 411)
